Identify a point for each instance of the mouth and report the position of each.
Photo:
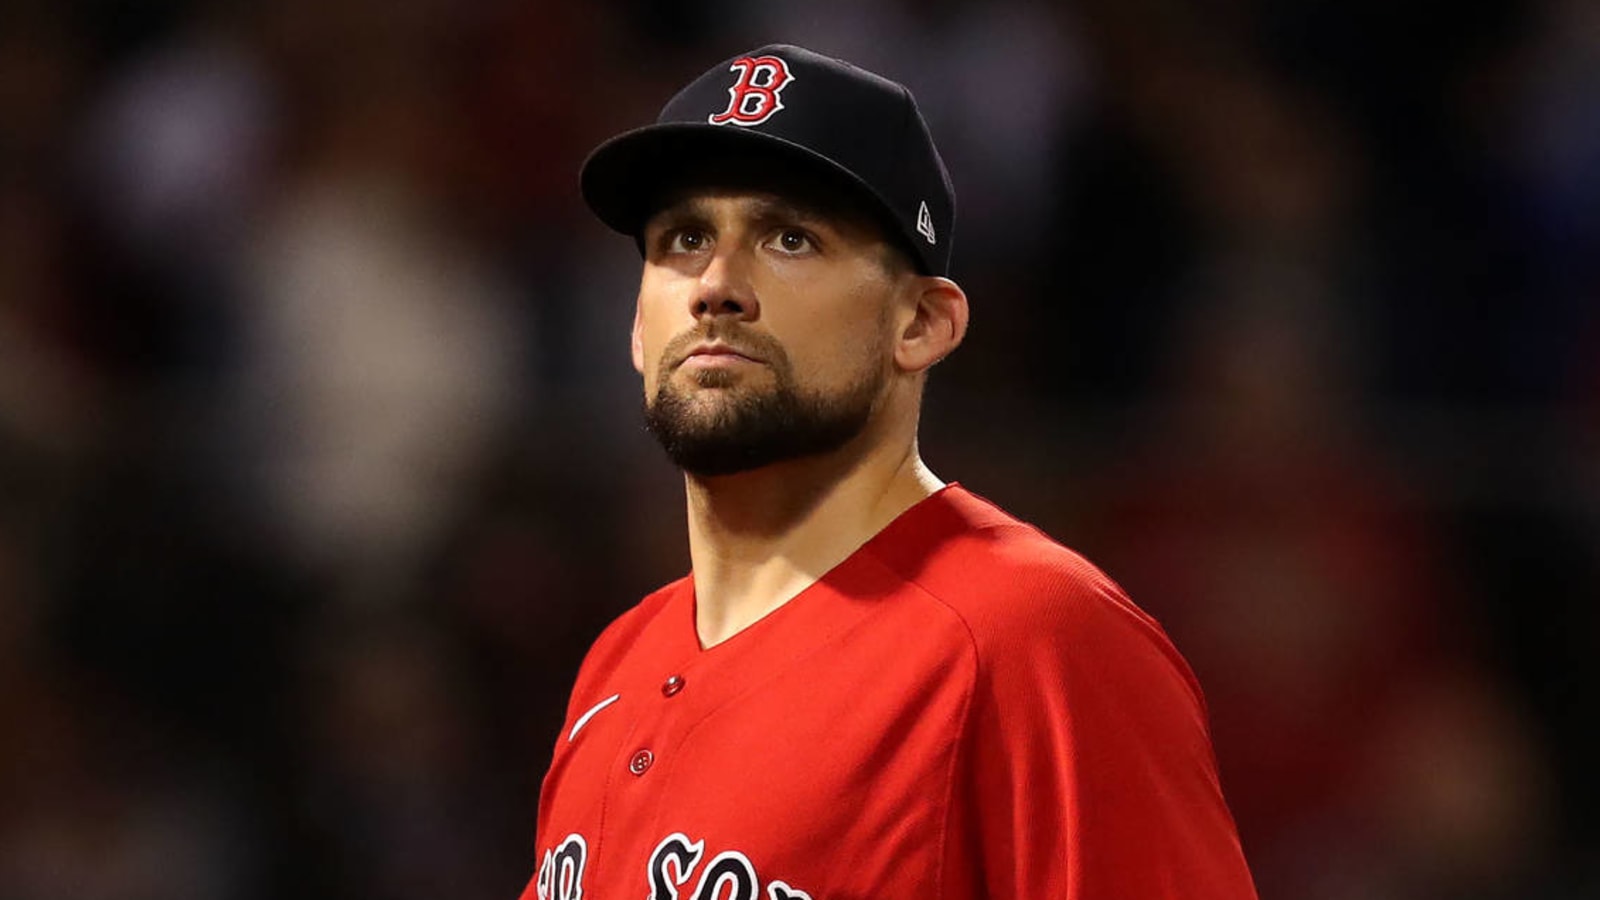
(717, 354)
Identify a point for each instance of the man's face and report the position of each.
(763, 328)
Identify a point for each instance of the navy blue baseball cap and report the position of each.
(797, 109)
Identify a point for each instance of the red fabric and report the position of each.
(961, 709)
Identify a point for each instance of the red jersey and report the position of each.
(961, 709)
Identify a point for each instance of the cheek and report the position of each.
(867, 340)
(839, 349)
(654, 326)
(653, 349)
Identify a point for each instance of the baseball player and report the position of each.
(872, 683)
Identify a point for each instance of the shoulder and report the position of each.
(994, 570)
(1082, 713)
(1028, 603)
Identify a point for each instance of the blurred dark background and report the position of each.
(321, 463)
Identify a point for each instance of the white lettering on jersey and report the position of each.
(681, 854)
(780, 891)
(731, 869)
(728, 876)
(561, 873)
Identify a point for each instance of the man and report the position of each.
(872, 684)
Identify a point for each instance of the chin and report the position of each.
(718, 379)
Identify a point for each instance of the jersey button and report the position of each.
(672, 686)
(641, 762)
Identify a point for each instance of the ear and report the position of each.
(638, 339)
(937, 325)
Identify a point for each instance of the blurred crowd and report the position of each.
(321, 459)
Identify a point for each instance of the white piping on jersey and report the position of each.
(584, 719)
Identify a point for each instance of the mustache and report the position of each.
(740, 340)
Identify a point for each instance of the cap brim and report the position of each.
(626, 177)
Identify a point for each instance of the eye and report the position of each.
(686, 240)
(793, 241)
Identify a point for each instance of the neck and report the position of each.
(758, 538)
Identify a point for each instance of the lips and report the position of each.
(720, 349)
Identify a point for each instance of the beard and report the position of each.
(750, 427)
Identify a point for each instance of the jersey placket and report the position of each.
(637, 783)
(683, 686)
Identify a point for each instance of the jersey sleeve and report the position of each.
(1086, 769)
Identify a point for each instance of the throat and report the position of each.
(722, 611)
(759, 539)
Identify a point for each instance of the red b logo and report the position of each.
(754, 97)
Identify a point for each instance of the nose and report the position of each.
(724, 289)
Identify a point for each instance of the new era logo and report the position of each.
(925, 222)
